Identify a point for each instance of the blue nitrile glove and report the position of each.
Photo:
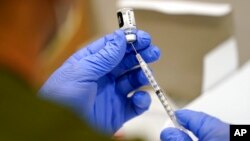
(204, 127)
(96, 80)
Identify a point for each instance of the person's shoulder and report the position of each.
(24, 116)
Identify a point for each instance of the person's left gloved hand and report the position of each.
(96, 80)
(203, 126)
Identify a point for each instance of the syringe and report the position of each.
(159, 92)
(127, 23)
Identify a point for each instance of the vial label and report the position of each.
(126, 19)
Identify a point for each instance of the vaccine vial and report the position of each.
(126, 20)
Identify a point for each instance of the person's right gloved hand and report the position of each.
(204, 127)
(96, 80)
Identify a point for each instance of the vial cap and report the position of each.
(131, 38)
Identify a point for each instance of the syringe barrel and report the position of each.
(147, 72)
(159, 92)
(168, 108)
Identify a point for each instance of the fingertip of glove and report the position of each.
(182, 116)
(119, 37)
(180, 113)
(142, 78)
(186, 117)
(156, 51)
(143, 38)
(166, 133)
(142, 99)
(173, 134)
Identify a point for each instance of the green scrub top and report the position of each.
(25, 117)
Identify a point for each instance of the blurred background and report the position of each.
(184, 37)
(204, 44)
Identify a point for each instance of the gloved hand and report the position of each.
(96, 80)
(205, 127)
